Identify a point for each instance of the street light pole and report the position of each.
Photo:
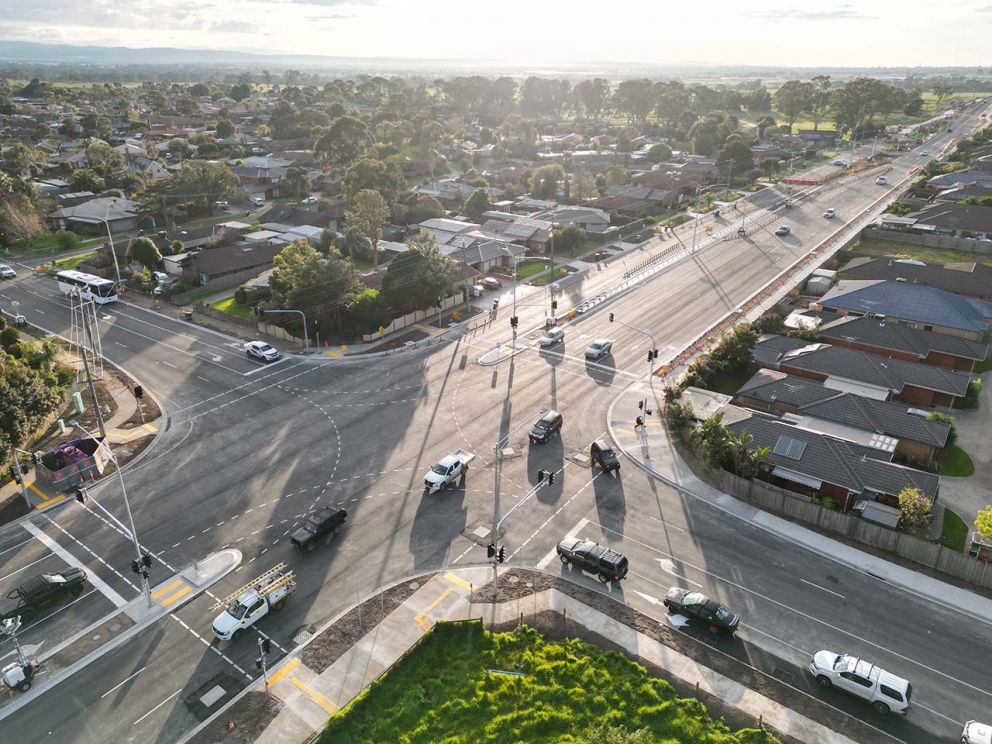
(306, 338)
(497, 472)
(652, 352)
(86, 363)
(20, 476)
(113, 251)
(127, 506)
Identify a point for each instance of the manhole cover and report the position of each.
(783, 674)
(414, 585)
(513, 579)
(115, 627)
(96, 637)
(302, 637)
(212, 695)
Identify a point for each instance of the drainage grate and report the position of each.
(783, 675)
(302, 637)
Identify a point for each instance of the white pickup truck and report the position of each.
(244, 607)
(447, 471)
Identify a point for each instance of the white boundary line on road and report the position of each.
(69, 558)
(139, 720)
(553, 553)
(124, 681)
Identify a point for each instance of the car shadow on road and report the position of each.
(611, 504)
(549, 456)
(440, 518)
(603, 372)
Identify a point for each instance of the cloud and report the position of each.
(844, 12)
(986, 9)
(233, 27)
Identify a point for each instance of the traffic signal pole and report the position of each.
(498, 552)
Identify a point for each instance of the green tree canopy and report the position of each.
(369, 213)
(477, 203)
(347, 140)
(660, 153)
(544, 181)
(370, 173)
(146, 253)
(417, 277)
(307, 280)
(794, 98)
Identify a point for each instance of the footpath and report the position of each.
(308, 693)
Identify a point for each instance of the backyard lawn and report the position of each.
(71, 262)
(230, 306)
(918, 252)
(954, 532)
(527, 269)
(465, 684)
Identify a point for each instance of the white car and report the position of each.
(311, 200)
(840, 163)
(552, 337)
(7, 272)
(862, 679)
(976, 733)
(599, 348)
(221, 205)
(261, 350)
(446, 472)
(924, 154)
(258, 201)
(829, 214)
(881, 180)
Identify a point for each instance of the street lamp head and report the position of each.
(73, 422)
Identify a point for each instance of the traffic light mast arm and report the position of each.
(521, 502)
(652, 351)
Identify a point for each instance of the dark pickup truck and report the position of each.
(321, 522)
(35, 593)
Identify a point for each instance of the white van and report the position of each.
(258, 201)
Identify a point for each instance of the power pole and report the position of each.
(86, 349)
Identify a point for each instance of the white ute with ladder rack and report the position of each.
(244, 607)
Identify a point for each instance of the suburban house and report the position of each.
(533, 234)
(956, 220)
(593, 221)
(859, 372)
(811, 403)
(971, 278)
(95, 215)
(981, 174)
(453, 193)
(234, 264)
(291, 216)
(897, 341)
(814, 464)
(968, 191)
(916, 305)
(820, 138)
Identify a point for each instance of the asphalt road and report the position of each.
(249, 449)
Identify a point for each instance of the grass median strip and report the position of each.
(463, 683)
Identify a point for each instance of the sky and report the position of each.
(791, 33)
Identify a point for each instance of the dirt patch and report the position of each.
(520, 583)
(396, 342)
(332, 643)
(250, 716)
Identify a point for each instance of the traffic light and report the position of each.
(146, 560)
(34, 459)
(80, 495)
(502, 554)
(513, 321)
(136, 566)
(650, 356)
(490, 550)
(258, 311)
(266, 646)
(139, 392)
(611, 317)
(258, 662)
(551, 477)
(554, 304)
(541, 475)
(640, 405)
(655, 352)
(439, 302)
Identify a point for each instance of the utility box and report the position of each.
(71, 463)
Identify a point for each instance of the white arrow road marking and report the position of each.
(648, 597)
(668, 567)
(678, 621)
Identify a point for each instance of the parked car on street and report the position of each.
(599, 348)
(699, 606)
(606, 563)
(602, 454)
(782, 230)
(321, 522)
(221, 205)
(37, 592)
(881, 181)
(546, 426)
(552, 337)
(829, 213)
(491, 282)
(258, 201)
(311, 200)
(261, 350)
(862, 679)
(7, 272)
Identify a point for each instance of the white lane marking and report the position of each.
(267, 365)
(40, 312)
(69, 558)
(120, 684)
(157, 707)
(202, 378)
(916, 704)
(15, 547)
(669, 525)
(18, 570)
(123, 346)
(823, 589)
(167, 364)
(801, 614)
(669, 567)
(39, 621)
(553, 553)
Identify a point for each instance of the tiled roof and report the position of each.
(833, 460)
(971, 278)
(860, 366)
(895, 337)
(913, 302)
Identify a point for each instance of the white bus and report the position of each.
(101, 291)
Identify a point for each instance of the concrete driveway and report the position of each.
(967, 495)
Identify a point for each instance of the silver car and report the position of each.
(599, 348)
(552, 337)
(7, 272)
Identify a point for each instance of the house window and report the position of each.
(928, 328)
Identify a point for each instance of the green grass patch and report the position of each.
(230, 306)
(71, 262)
(47, 244)
(956, 463)
(918, 252)
(444, 691)
(726, 382)
(954, 533)
(983, 366)
(527, 269)
(361, 264)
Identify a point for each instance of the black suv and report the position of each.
(547, 425)
(602, 454)
(35, 593)
(319, 523)
(608, 564)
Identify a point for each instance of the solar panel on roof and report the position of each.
(789, 447)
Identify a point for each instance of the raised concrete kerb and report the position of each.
(209, 571)
(501, 353)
